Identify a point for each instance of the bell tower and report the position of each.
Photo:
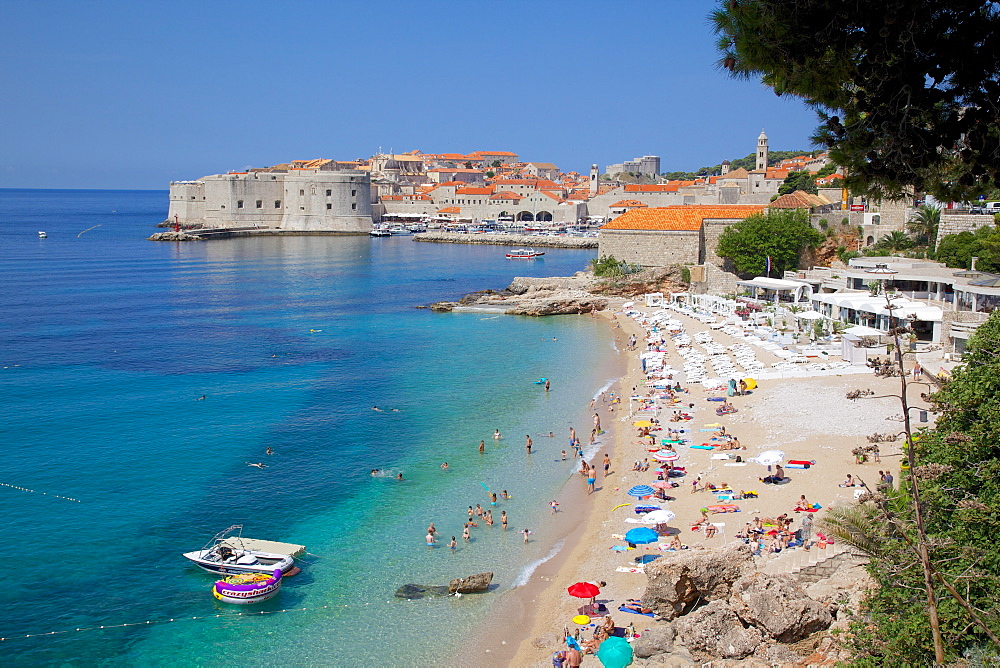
(595, 174)
(762, 152)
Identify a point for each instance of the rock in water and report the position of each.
(473, 583)
(677, 584)
(778, 606)
(413, 591)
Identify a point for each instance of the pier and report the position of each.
(523, 240)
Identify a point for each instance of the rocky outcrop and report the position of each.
(533, 296)
(471, 584)
(716, 631)
(174, 236)
(677, 584)
(654, 641)
(778, 606)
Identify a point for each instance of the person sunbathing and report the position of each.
(637, 607)
(802, 504)
(849, 482)
(711, 530)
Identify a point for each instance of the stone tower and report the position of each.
(595, 174)
(762, 152)
(725, 167)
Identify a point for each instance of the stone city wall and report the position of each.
(955, 223)
(652, 248)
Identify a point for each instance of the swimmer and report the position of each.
(503, 519)
(430, 540)
(259, 465)
(431, 529)
(564, 455)
(269, 450)
(493, 498)
(526, 534)
(482, 447)
(374, 471)
(444, 466)
(504, 495)
(400, 476)
(376, 408)
(466, 534)
(201, 398)
(453, 544)
(394, 410)
(496, 435)
(548, 384)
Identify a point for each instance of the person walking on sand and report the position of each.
(554, 505)
(607, 464)
(591, 479)
(694, 484)
(527, 443)
(597, 424)
(503, 519)
(482, 447)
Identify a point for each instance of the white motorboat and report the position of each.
(42, 235)
(524, 254)
(229, 553)
(380, 231)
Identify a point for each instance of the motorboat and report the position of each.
(230, 553)
(399, 231)
(246, 588)
(42, 235)
(524, 254)
(380, 231)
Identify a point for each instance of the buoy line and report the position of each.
(34, 491)
(104, 627)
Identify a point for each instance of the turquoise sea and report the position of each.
(107, 341)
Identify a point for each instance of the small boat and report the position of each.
(228, 552)
(42, 235)
(399, 231)
(380, 231)
(245, 588)
(524, 254)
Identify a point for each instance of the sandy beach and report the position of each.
(806, 418)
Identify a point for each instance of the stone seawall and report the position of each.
(507, 240)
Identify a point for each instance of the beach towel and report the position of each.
(628, 569)
(802, 461)
(703, 447)
(808, 510)
(735, 464)
(724, 508)
(708, 430)
(618, 548)
(796, 466)
(636, 612)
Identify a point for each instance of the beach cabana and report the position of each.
(777, 289)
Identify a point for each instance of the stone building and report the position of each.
(664, 236)
(647, 165)
(294, 200)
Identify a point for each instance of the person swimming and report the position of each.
(375, 471)
(259, 465)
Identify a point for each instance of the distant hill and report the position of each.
(748, 163)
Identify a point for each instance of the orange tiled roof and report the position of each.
(457, 170)
(799, 200)
(506, 194)
(683, 218)
(628, 203)
(493, 153)
(450, 209)
(830, 178)
(474, 191)
(776, 174)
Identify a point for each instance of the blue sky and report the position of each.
(134, 94)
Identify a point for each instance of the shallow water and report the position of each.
(108, 341)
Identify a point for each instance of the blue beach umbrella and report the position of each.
(615, 652)
(641, 491)
(641, 536)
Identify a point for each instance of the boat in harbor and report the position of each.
(524, 254)
(399, 231)
(380, 231)
(245, 588)
(230, 553)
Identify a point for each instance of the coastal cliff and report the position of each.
(535, 296)
(507, 240)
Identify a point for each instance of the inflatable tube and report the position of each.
(802, 461)
(246, 588)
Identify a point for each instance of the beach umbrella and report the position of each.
(615, 652)
(770, 457)
(661, 484)
(641, 491)
(658, 517)
(641, 536)
(666, 456)
(583, 590)
(643, 423)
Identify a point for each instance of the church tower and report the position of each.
(595, 174)
(725, 167)
(762, 152)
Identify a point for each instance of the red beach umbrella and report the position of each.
(583, 590)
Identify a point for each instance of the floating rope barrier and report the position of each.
(88, 230)
(35, 491)
(164, 621)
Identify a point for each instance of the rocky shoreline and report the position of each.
(535, 297)
(506, 240)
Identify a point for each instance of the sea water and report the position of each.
(108, 343)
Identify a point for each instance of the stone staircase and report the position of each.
(809, 566)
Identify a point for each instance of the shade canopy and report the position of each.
(615, 652)
(641, 536)
(658, 517)
(809, 315)
(770, 457)
(583, 590)
(666, 456)
(641, 491)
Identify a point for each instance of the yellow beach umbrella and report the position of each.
(751, 383)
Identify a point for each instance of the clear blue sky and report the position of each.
(132, 94)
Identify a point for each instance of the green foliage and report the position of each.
(824, 223)
(957, 250)
(905, 90)
(607, 266)
(846, 256)
(894, 242)
(825, 170)
(782, 234)
(845, 221)
(686, 274)
(925, 223)
(801, 180)
(496, 163)
(490, 174)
